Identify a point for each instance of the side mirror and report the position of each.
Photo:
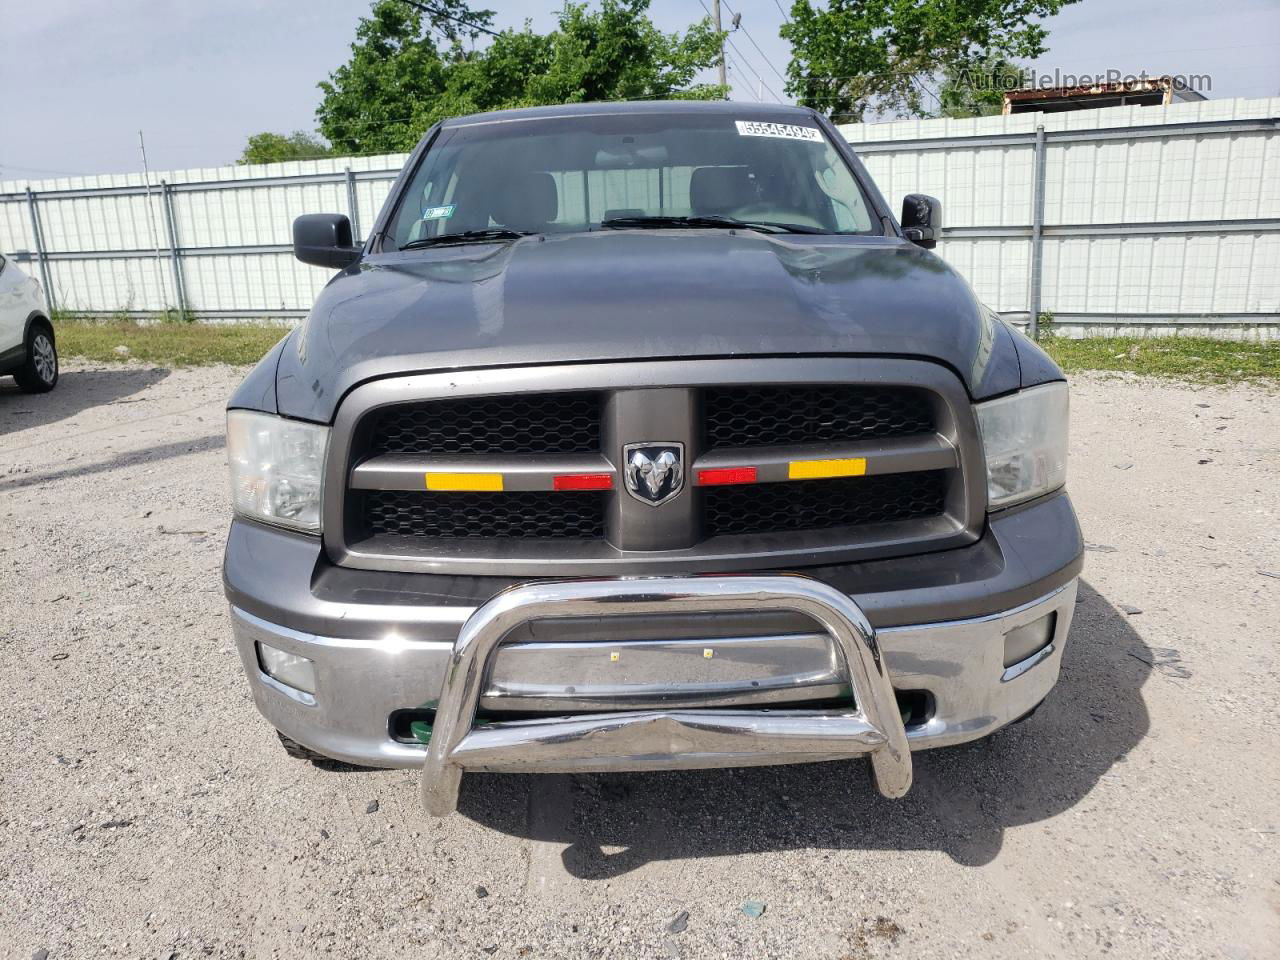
(922, 219)
(324, 240)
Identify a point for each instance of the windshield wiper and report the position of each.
(704, 222)
(467, 236)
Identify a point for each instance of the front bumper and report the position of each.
(360, 684)
(382, 645)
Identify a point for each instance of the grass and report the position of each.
(167, 344)
(1195, 359)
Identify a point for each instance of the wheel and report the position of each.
(39, 373)
(296, 750)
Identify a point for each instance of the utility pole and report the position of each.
(715, 15)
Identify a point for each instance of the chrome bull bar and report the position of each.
(664, 739)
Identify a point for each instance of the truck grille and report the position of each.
(515, 424)
(777, 416)
(485, 516)
(822, 505)
(535, 482)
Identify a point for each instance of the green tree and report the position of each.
(399, 81)
(453, 19)
(370, 102)
(278, 147)
(978, 89)
(856, 56)
(616, 53)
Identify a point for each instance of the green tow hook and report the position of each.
(421, 729)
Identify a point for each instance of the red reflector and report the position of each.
(583, 481)
(722, 476)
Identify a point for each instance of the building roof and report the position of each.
(1133, 90)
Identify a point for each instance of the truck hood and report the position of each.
(633, 295)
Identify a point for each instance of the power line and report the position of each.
(823, 78)
(763, 55)
(781, 11)
(920, 83)
(743, 59)
(740, 56)
(715, 20)
(437, 14)
(734, 64)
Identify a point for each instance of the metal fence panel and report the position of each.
(1153, 219)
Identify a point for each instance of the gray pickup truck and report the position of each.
(643, 436)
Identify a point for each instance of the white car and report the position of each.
(27, 348)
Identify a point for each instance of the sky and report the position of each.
(81, 79)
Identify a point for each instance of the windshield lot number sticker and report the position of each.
(786, 131)
(438, 213)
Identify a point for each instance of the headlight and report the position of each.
(277, 468)
(1025, 439)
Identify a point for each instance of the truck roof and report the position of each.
(777, 113)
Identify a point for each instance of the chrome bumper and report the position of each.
(652, 724)
(644, 740)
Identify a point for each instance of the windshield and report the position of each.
(573, 173)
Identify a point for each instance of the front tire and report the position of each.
(296, 750)
(39, 372)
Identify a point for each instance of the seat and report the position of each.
(717, 191)
(528, 201)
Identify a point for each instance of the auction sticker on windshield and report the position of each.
(437, 213)
(787, 131)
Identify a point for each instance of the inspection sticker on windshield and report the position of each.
(787, 131)
(438, 213)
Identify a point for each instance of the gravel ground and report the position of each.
(147, 811)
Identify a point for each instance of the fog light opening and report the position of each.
(287, 668)
(1029, 639)
(915, 706)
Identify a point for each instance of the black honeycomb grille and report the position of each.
(485, 516)
(822, 504)
(777, 416)
(515, 424)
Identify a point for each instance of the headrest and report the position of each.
(528, 201)
(717, 190)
